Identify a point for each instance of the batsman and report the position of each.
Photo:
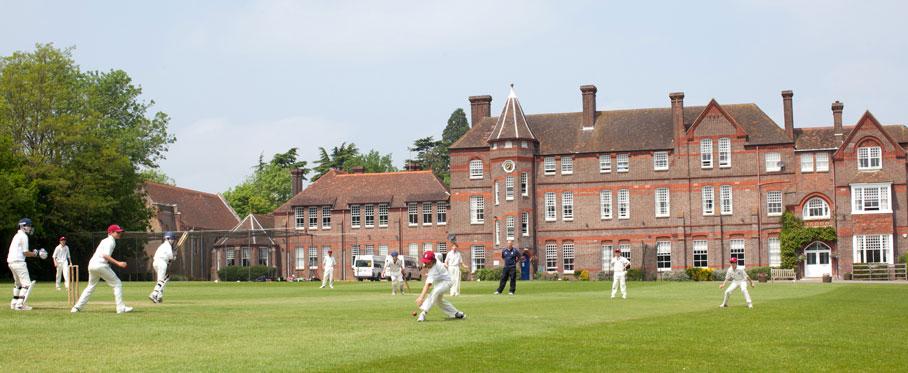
(15, 259)
(162, 257)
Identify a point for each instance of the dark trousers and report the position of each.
(508, 272)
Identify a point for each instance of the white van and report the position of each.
(368, 267)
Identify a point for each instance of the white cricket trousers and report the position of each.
(437, 296)
(736, 284)
(454, 272)
(63, 271)
(328, 278)
(160, 270)
(97, 273)
(397, 283)
(619, 279)
(21, 283)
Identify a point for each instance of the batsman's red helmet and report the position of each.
(733, 260)
(114, 228)
(428, 257)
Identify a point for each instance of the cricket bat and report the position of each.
(182, 240)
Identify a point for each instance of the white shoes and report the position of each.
(23, 308)
(125, 309)
(422, 317)
(723, 305)
(74, 310)
(460, 316)
(750, 305)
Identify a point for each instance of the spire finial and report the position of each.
(512, 94)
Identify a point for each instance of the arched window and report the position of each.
(476, 169)
(816, 208)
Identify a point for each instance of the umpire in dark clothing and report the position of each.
(511, 257)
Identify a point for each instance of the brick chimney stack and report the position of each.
(589, 105)
(837, 129)
(296, 181)
(789, 115)
(480, 107)
(677, 117)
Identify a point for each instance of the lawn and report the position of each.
(548, 326)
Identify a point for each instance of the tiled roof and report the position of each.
(197, 210)
(823, 137)
(512, 123)
(624, 130)
(339, 190)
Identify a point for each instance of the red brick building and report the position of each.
(675, 187)
(361, 214)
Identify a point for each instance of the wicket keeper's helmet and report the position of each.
(169, 235)
(25, 222)
(733, 260)
(428, 257)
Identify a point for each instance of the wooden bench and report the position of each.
(782, 274)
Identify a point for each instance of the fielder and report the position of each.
(394, 268)
(454, 262)
(99, 268)
(328, 264)
(61, 262)
(439, 281)
(162, 257)
(15, 259)
(739, 279)
(620, 266)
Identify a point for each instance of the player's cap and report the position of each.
(394, 254)
(25, 222)
(114, 228)
(617, 251)
(733, 260)
(168, 235)
(329, 251)
(428, 257)
(62, 238)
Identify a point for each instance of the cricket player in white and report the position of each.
(61, 262)
(162, 257)
(328, 264)
(15, 259)
(619, 273)
(394, 268)
(454, 262)
(439, 281)
(99, 268)
(739, 279)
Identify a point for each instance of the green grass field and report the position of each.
(548, 326)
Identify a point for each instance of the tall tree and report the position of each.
(157, 176)
(337, 158)
(433, 155)
(77, 141)
(457, 127)
(268, 187)
(373, 161)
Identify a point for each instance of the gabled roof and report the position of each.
(624, 130)
(714, 105)
(339, 190)
(252, 231)
(512, 123)
(197, 210)
(868, 120)
(812, 138)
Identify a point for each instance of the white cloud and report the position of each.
(339, 30)
(213, 153)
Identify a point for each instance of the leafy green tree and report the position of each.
(337, 158)
(433, 155)
(157, 176)
(457, 126)
(268, 187)
(75, 144)
(371, 162)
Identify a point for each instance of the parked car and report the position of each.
(368, 267)
(412, 268)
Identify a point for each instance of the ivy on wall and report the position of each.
(795, 236)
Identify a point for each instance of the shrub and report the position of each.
(550, 276)
(903, 258)
(752, 272)
(603, 276)
(699, 274)
(674, 276)
(634, 274)
(583, 276)
(487, 274)
(718, 275)
(250, 273)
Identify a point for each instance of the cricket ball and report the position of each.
(413, 313)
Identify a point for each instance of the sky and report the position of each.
(244, 78)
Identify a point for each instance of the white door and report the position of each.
(817, 260)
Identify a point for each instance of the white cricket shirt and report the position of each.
(437, 274)
(18, 248)
(106, 247)
(619, 263)
(164, 252)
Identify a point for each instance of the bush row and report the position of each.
(249, 273)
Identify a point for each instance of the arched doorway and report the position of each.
(817, 260)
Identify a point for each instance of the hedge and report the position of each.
(752, 272)
(241, 273)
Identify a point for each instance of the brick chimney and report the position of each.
(677, 117)
(588, 93)
(837, 129)
(357, 170)
(412, 165)
(789, 115)
(480, 107)
(296, 181)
